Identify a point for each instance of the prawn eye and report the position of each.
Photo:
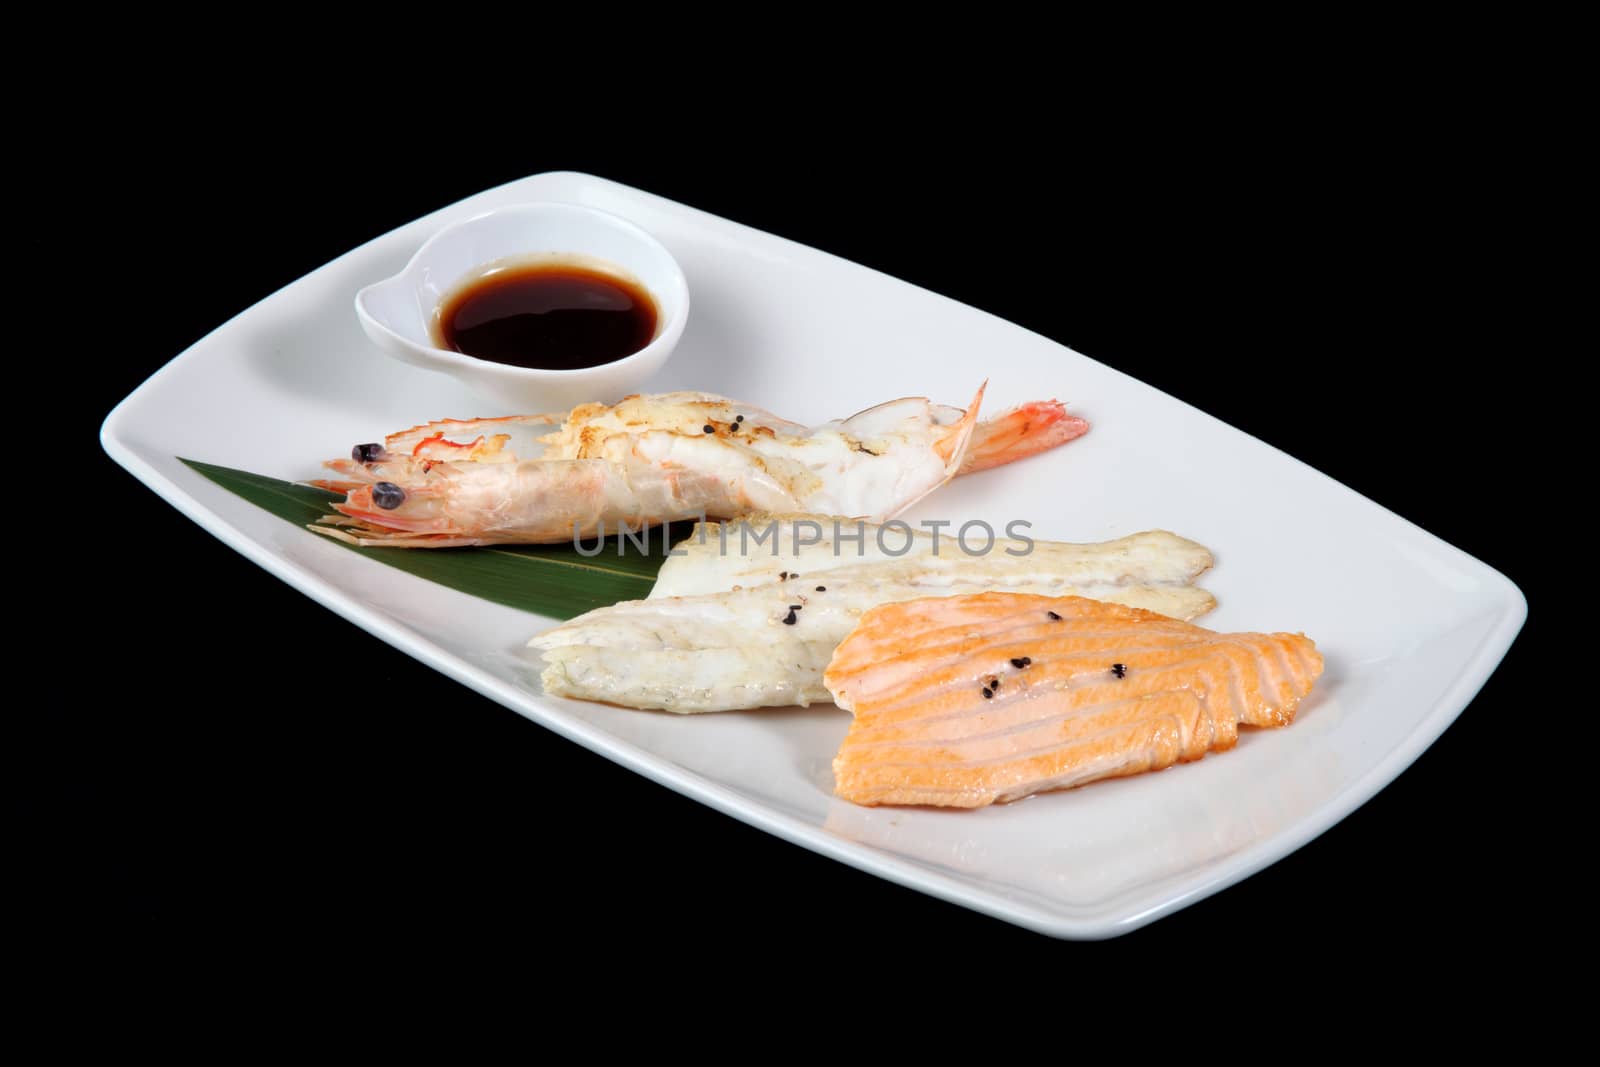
(388, 496)
(372, 453)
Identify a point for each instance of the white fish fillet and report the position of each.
(712, 636)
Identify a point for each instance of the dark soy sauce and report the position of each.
(550, 316)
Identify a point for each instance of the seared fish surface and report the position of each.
(750, 629)
(966, 701)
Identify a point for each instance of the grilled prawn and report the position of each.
(655, 459)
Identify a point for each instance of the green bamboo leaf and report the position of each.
(554, 580)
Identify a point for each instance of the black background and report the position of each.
(224, 757)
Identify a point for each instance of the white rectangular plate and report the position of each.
(1410, 626)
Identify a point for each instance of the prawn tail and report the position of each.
(957, 439)
(1024, 431)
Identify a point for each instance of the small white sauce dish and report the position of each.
(399, 314)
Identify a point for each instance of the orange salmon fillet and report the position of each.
(1078, 690)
